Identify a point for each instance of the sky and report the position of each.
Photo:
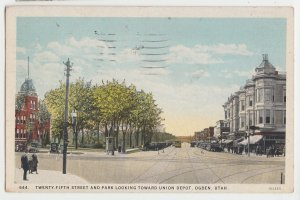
(191, 65)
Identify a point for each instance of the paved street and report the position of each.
(174, 165)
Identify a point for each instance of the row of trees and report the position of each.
(110, 108)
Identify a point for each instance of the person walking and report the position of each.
(34, 163)
(25, 166)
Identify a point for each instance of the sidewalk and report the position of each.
(47, 176)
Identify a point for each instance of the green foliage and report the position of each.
(20, 102)
(112, 105)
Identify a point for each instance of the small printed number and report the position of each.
(23, 187)
(275, 188)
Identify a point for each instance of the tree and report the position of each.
(80, 99)
(116, 107)
(43, 116)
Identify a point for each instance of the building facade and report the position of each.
(261, 102)
(29, 127)
(221, 129)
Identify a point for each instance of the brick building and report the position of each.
(30, 126)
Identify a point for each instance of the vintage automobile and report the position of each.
(20, 147)
(33, 148)
(54, 148)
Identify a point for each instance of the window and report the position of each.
(268, 95)
(259, 95)
(278, 115)
(268, 116)
(260, 116)
(284, 96)
(250, 119)
(250, 100)
(284, 117)
(278, 93)
(242, 122)
(242, 105)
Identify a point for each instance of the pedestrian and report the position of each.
(34, 164)
(25, 166)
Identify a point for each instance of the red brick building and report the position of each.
(29, 126)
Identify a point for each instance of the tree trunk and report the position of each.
(123, 143)
(106, 130)
(82, 137)
(137, 137)
(130, 141)
(98, 133)
(117, 136)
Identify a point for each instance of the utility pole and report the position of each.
(68, 69)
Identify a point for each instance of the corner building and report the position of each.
(27, 126)
(260, 102)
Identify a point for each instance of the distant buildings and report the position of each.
(261, 102)
(221, 129)
(205, 134)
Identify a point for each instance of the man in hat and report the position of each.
(25, 166)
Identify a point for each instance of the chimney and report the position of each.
(265, 57)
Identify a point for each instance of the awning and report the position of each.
(253, 140)
(226, 141)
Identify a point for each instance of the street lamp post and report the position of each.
(253, 128)
(68, 69)
(74, 123)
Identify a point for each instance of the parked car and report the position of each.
(54, 148)
(20, 147)
(33, 148)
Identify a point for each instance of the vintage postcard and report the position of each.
(149, 99)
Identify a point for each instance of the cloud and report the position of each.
(199, 74)
(231, 49)
(187, 55)
(280, 69)
(129, 55)
(46, 56)
(83, 43)
(38, 47)
(205, 54)
(21, 64)
(247, 74)
(21, 50)
(60, 48)
(237, 73)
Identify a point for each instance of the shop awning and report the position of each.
(253, 140)
(226, 141)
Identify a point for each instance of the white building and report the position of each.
(261, 102)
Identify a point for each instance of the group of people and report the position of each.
(274, 151)
(270, 151)
(29, 165)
